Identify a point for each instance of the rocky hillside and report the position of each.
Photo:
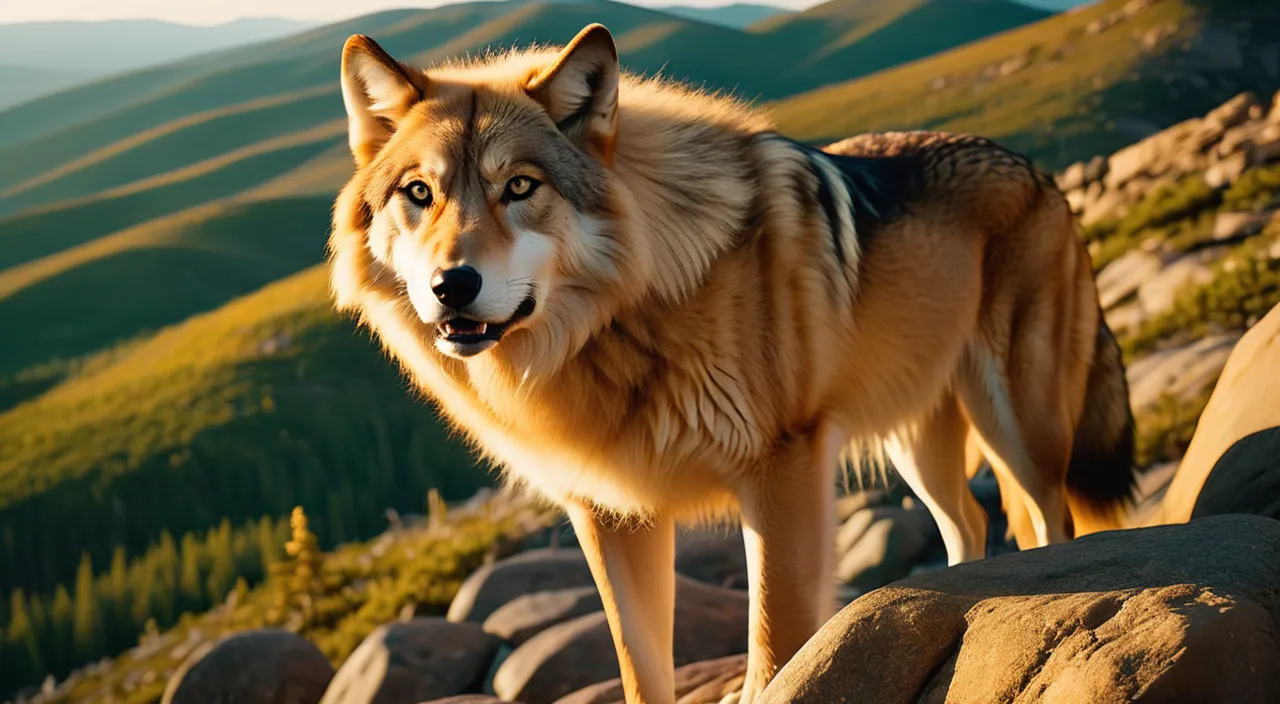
(493, 596)
(1184, 233)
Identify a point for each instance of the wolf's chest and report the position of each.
(630, 452)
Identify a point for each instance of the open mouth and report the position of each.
(469, 334)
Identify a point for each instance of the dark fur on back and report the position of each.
(881, 186)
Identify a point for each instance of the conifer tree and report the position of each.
(86, 628)
(191, 587)
(61, 614)
(22, 659)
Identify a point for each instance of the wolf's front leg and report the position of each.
(788, 516)
(634, 569)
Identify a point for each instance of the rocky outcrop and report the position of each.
(1245, 401)
(1220, 146)
(413, 661)
(710, 622)
(1172, 613)
(264, 666)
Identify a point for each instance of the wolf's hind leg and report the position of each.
(634, 569)
(788, 517)
(1026, 436)
(931, 460)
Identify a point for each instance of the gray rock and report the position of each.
(715, 557)
(1233, 112)
(526, 616)
(1156, 294)
(1227, 171)
(262, 666)
(696, 683)
(1266, 146)
(880, 545)
(488, 588)
(1180, 371)
(1072, 177)
(1230, 226)
(710, 622)
(413, 661)
(1122, 277)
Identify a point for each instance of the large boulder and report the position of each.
(489, 587)
(262, 666)
(526, 616)
(1244, 402)
(1122, 277)
(1166, 614)
(707, 681)
(710, 622)
(716, 557)
(413, 661)
(1181, 372)
(881, 544)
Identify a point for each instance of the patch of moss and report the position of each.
(1256, 189)
(1164, 432)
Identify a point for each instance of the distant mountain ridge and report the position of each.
(40, 58)
(736, 15)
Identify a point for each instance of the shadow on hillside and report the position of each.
(196, 269)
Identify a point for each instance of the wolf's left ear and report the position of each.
(377, 91)
(580, 90)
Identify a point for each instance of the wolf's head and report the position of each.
(510, 206)
(482, 190)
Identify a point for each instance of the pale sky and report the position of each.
(218, 11)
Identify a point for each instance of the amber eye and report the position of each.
(519, 188)
(419, 193)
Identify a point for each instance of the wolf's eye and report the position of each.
(419, 193)
(519, 188)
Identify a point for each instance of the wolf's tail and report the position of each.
(1101, 476)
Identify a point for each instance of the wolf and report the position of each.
(645, 304)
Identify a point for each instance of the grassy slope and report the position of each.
(1079, 94)
(858, 37)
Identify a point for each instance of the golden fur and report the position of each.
(698, 318)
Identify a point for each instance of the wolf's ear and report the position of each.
(377, 91)
(580, 89)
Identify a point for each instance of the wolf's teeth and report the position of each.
(482, 329)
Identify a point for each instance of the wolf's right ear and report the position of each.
(377, 91)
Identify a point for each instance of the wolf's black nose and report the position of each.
(456, 287)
